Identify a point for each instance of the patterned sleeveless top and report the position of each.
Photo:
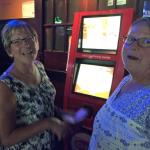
(33, 104)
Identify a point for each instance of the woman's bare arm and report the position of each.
(9, 134)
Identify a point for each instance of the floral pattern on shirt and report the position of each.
(123, 123)
(33, 104)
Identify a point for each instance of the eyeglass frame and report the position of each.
(125, 40)
(20, 41)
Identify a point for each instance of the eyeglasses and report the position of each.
(142, 42)
(20, 41)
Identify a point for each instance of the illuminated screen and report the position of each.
(94, 80)
(99, 34)
(28, 10)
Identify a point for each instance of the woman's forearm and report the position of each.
(25, 132)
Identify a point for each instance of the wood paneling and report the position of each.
(55, 61)
(55, 65)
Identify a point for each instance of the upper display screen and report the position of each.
(99, 34)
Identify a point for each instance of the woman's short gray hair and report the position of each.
(11, 26)
(142, 19)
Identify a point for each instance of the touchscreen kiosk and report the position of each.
(94, 67)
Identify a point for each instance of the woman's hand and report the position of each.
(76, 118)
(58, 127)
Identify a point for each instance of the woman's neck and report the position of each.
(28, 74)
(24, 68)
(145, 80)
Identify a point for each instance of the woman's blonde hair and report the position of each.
(11, 26)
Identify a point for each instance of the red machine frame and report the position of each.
(74, 101)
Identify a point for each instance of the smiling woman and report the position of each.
(137, 45)
(27, 111)
(124, 121)
(22, 38)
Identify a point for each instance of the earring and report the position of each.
(10, 55)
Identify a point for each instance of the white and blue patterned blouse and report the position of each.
(33, 104)
(123, 123)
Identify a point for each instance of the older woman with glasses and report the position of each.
(27, 118)
(123, 123)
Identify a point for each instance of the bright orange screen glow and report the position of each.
(94, 80)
